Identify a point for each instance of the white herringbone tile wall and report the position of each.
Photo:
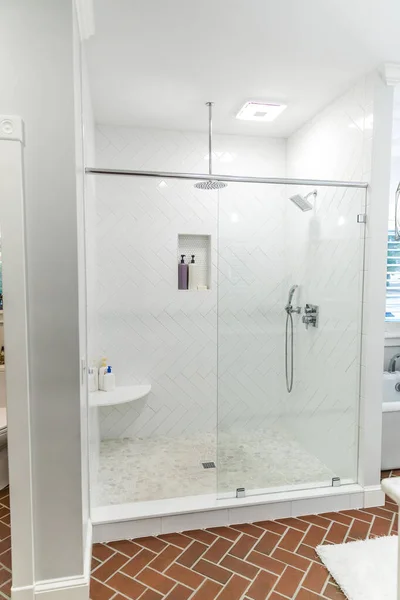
(153, 333)
(180, 342)
(325, 256)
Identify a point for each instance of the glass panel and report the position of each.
(153, 333)
(270, 439)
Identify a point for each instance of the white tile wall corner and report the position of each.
(374, 294)
(334, 145)
(150, 332)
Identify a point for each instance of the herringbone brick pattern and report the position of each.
(272, 560)
(5, 544)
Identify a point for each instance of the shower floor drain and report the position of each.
(209, 465)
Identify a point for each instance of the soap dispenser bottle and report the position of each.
(194, 274)
(102, 371)
(109, 380)
(182, 274)
(92, 381)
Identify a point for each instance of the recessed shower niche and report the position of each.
(194, 262)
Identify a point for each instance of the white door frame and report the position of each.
(12, 223)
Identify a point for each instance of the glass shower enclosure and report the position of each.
(219, 421)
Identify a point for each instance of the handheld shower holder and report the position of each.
(291, 310)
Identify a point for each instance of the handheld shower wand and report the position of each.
(289, 308)
(289, 338)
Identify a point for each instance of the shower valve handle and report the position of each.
(311, 314)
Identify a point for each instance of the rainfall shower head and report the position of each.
(302, 201)
(209, 184)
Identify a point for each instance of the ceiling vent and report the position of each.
(262, 112)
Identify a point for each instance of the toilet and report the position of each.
(3, 431)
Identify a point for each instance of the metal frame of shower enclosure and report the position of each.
(228, 178)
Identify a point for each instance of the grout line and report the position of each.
(392, 523)
(348, 531)
(123, 595)
(103, 562)
(370, 528)
(301, 581)
(301, 541)
(227, 552)
(146, 585)
(229, 570)
(326, 534)
(123, 553)
(106, 585)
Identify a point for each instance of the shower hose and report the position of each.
(289, 334)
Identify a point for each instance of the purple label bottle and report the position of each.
(183, 270)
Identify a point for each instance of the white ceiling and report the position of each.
(154, 63)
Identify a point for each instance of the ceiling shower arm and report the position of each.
(210, 105)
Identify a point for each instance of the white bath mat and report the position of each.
(364, 570)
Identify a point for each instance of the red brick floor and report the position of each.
(5, 545)
(272, 560)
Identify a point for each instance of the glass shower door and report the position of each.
(270, 439)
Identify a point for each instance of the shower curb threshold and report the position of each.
(129, 521)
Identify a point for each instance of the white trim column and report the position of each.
(373, 328)
(12, 223)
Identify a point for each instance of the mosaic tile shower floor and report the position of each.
(155, 468)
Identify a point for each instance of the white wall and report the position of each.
(338, 144)
(326, 257)
(153, 333)
(36, 61)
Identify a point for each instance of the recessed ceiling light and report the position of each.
(260, 111)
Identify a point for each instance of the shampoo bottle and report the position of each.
(182, 274)
(109, 380)
(92, 381)
(194, 274)
(95, 372)
(102, 371)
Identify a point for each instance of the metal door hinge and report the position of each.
(335, 481)
(83, 369)
(240, 492)
(361, 218)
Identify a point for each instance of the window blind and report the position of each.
(393, 278)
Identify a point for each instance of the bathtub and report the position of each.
(391, 421)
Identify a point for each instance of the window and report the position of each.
(393, 279)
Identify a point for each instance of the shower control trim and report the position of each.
(311, 315)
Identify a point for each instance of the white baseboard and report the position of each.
(62, 589)
(114, 524)
(66, 588)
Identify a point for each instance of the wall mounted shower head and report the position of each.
(302, 201)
